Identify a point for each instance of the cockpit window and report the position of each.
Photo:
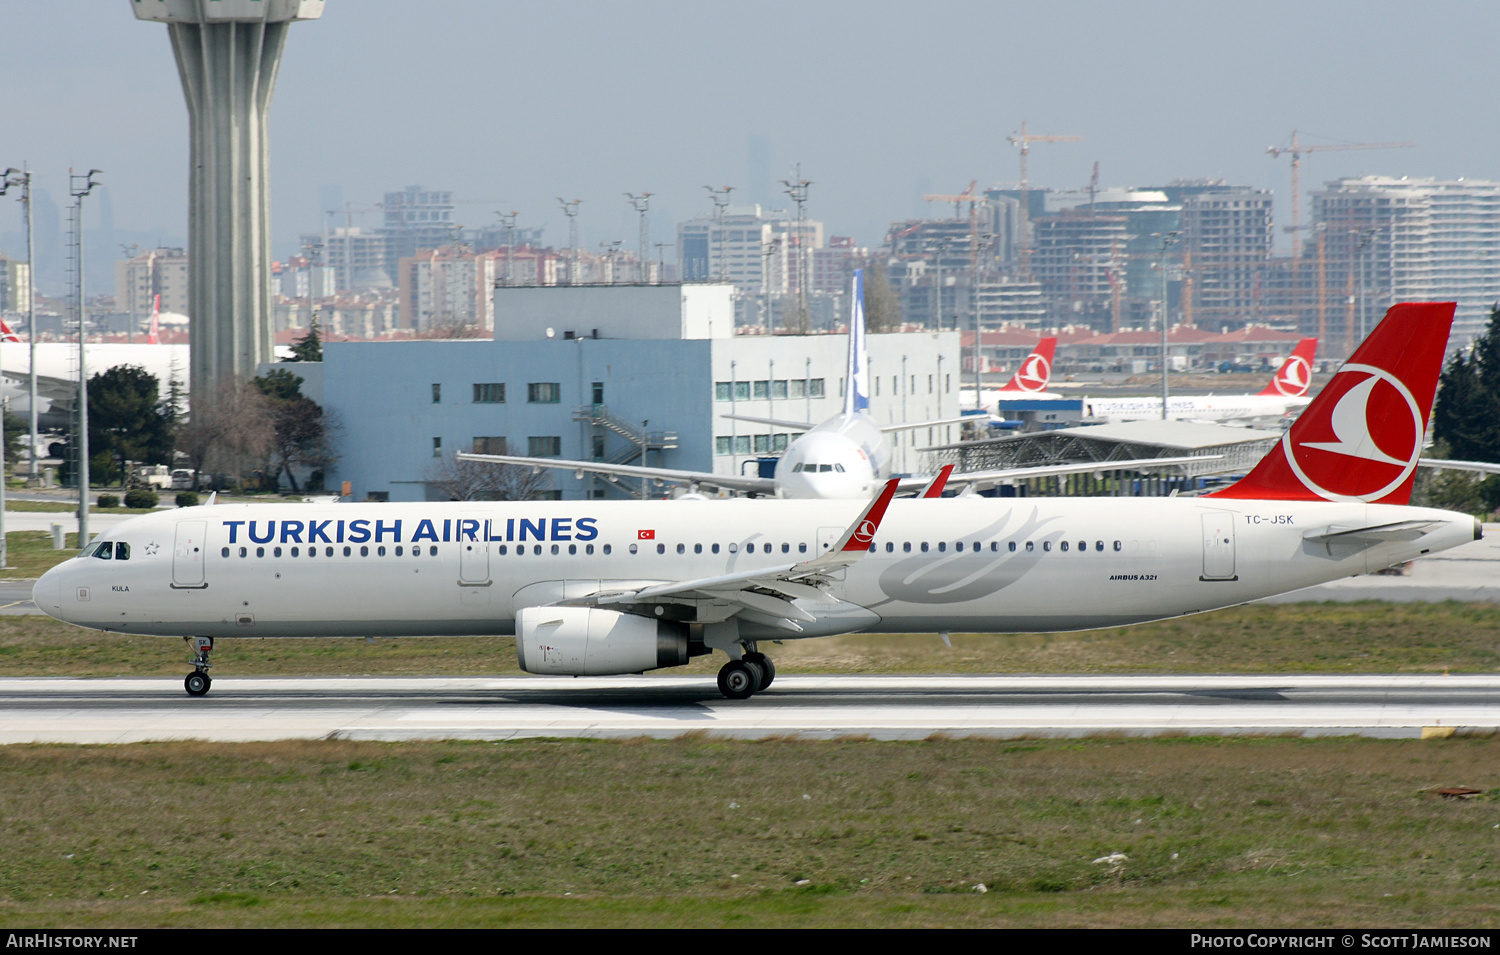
(122, 550)
(104, 550)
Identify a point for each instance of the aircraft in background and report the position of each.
(57, 373)
(1287, 392)
(612, 587)
(845, 456)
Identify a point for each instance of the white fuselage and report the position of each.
(971, 564)
(1222, 408)
(848, 451)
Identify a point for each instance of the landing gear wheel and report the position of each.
(197, 683)
(767, 667)
(738, 680)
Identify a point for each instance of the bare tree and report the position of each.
(482, 481)
(228, 430)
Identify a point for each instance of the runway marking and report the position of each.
(14, 602)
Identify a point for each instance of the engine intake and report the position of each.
(573, 641)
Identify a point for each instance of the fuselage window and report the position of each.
(588, 548)
(977, 547)
(244, 552)
(555, 549)
(312, 552)
(942, 547)
(276, 552)
(802, 548)
(224, 552)
(632, 548)
(260, 552)
(749, 548)
(924, 547)
(906, 546)
(328, 551)
(380, 551)
(872, 547)
(398, 551)
(1099, 545)
(608, 548)
(661, 548)
(364, 550)
(697, 548)
(786, 548)
(348, 551)
(1064, 546)
(714, 548)
(1013, 547)
(1083, 547)
(1030, 546)
(890, 546)
(734, 548)
(295, 552)
(682, 548)
(572, 549)
(503, 551)
(1046, 545)
(1118, 546)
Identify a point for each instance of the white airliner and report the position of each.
(1286, 392)
(57, 373)
(609, 587)
(846, 456)
(1029, 381)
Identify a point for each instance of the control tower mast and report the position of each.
(227, 55)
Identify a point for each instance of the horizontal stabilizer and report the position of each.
(1375, 533)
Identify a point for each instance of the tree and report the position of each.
(299, 430)
(310, 346)
(882, 304)
(458, 480)
(128, 421)
(228, 430)
(1466, 412)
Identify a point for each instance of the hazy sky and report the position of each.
(520, 103)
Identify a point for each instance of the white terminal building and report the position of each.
(613, 373)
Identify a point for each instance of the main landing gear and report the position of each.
(743, 678)
(198, 682)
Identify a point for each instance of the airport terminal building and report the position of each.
(616, 373)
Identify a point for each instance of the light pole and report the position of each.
(1167, 240)
(570, 209)
(78, 190)
(720, 199)
(797, 189)
(508, 219)
(1366, 236)
(640, 204)
(22, 177)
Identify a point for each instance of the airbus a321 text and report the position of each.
(609, 587)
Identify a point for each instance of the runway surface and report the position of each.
(244, 709)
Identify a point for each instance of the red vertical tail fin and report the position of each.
(1360, 438)
(1035, 370)
(1294, 376)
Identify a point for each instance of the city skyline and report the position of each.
(501, 102)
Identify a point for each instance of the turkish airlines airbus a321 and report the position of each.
(596, 587)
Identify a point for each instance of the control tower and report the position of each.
(227, 55)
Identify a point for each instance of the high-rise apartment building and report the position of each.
(15, 284)
(447, 288)
(1226, 244)
(1391, 240)
(416, 219)
(140, 279)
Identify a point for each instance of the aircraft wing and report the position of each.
(979, 479)
(777, 422)
(962, 419)
(1482, 467)
(731, 482)
(765, 594)
(53, 389)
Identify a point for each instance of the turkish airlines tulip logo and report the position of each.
(1367, 446)
(1294, 377)
(1034, 373)
(866, 532)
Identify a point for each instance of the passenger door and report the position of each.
(189, 555)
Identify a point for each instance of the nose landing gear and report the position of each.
(198, 682)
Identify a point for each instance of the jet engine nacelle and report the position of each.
(573, 641)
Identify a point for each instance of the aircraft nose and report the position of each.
(47, 593)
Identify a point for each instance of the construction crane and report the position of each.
(1024, 140)
(1296, 151)
(969, 196)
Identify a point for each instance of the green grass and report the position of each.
(30, 553)
(698, 832)
(1283, 638)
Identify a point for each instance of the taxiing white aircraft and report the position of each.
(1286, 392)
(846, 456)
(610, 587)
